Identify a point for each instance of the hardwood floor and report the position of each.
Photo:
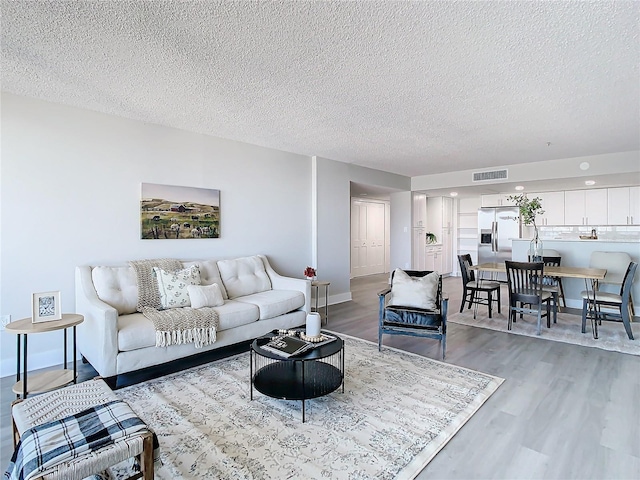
(563, 412)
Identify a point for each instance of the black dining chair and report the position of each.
(472, 288)
(599, 299)
(526, 294)
(553, 284)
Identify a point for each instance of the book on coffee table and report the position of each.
(287, 346)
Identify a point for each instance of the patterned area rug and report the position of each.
(398, 410)
(611, 335)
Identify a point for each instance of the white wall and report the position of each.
(334, 218)
(605, 164)
(401, 231)
(70, 193)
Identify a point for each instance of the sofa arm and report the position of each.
(98, 334)
(279, 282)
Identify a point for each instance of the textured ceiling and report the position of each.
(407, 87)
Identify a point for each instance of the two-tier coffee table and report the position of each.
(310, 375)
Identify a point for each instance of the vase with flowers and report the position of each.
(529, 208)
(310, 273)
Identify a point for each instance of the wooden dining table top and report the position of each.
(562, 272)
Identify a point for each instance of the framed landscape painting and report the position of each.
(168, 211)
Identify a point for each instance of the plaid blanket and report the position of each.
(49, 444)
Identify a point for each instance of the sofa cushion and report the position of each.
(173, 285)
(244, 276)
(136, 331)
(117, 287)
(274, 302)
(205, 295)
(234, 314)
(209, 274)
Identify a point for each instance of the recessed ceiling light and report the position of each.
(589, 182)
(454, 194)
(584, 166)
(519, 187)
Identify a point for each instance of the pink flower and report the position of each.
(309, 272)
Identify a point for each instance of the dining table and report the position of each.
(590, 275)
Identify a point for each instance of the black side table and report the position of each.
(316, 373)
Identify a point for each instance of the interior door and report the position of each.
(367, 238)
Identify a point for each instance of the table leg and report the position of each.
(326, 304)
(75, 357)
(18, 362)
(24, 364)
(591, 304)
(303, 391)
(251, 372)
(64, 332)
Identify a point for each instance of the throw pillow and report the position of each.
(205, 295)
(418, 292)
(173, 285)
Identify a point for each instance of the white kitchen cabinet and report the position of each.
(433, 258)
(419, 213)
(418, 244)
(497, 200)
(585, 207)
(434, 216)
(623, 206)
(553, 206)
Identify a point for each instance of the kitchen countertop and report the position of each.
(592, 240)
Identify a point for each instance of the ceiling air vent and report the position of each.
(493, 175)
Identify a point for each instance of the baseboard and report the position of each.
(343, 297)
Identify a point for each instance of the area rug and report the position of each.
(611, 335)
(397, 411)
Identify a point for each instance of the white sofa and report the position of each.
(116, 339)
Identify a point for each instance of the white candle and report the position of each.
(313, 324)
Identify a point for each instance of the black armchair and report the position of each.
(422, 311)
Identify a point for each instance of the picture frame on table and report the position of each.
(45, 307)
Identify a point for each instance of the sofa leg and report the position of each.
(111, 382)
(84, 359)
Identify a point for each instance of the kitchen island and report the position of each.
(577, 253)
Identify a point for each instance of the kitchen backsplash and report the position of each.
(605, 232)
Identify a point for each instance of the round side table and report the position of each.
(316, 285)
(43, 382)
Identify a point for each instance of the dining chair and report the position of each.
(471, 288)
(550, 283)
(525, 289)
(615, 263)
(612, 301)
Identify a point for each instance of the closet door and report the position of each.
(367, 238)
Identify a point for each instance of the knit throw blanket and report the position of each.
(148, 291)
(174, 326)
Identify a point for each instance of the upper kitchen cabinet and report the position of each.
(624, 206)
(419, 210)
(434, 217)
(497, 200)
(585, 207)
(553, 206)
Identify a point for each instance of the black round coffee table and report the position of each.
(313, 374)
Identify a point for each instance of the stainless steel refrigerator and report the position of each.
(496, 227)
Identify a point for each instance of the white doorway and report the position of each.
(369, 237)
